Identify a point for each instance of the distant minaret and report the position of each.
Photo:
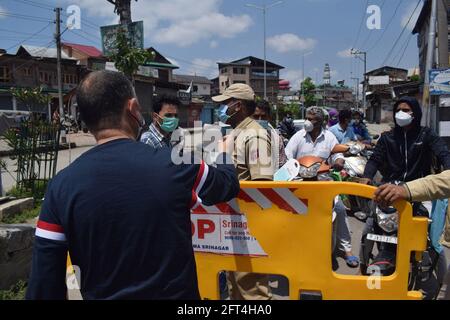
(327, 75)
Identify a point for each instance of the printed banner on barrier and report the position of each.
(223, 228)
(224, 234)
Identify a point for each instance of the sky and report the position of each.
(196, 34)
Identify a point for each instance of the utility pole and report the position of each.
(58, 61)
(359, 53)
(123, 9)
(264, 10)
(357, 90)
(429, 65)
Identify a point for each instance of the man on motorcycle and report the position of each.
(287, 127)
(343, 130)
(333, 117)
(315, 140)
(406, 152)
(407, 149)
(360, 129)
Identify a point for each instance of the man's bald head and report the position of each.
(102, 97)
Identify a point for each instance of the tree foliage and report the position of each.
(126, 58)
(31, 97)
(308, 88)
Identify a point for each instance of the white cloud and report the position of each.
(345, 53)
(295, 77)
(213, 44)
(407, 15)
(178, 22)
(2, 9)
(288, 42)
(187, 32)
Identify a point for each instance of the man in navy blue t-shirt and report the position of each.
(122, 210)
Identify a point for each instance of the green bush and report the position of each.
(17, 292)
(23, 217)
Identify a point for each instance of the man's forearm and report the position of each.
(430, 188)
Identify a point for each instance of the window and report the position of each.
(243, 82)
(239, 71)
(70, 79)
(195, 88)
(224, 70)
(26, 72)
(4, 74)
(44, 76)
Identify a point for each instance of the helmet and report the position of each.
(333, 117)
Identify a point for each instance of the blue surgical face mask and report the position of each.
(263, 123)
(222, 113)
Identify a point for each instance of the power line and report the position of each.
(401, 33)
(35, 4)
(25, 17)
(16, 32)
(404, 51)
(372, 32)
(81, 36)
(191, 63)
(30, 37)
(361, 25)
(387, 27)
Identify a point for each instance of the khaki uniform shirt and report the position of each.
(252, 153)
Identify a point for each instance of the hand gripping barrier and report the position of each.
(286, 230)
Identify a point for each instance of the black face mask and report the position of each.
(141, 126)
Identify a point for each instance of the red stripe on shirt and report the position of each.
(50, 226)
(199, 175)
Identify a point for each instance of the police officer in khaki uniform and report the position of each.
(253, 160)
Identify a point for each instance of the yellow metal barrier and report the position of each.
(298, 246)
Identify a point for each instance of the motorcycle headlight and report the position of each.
(311, 172)
(388, 222)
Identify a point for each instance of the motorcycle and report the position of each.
(70, 125)
(381, 229)
(312, 168)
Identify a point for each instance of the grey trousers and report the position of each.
(342, 228)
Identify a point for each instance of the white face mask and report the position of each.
(403, 119)
(309, 127)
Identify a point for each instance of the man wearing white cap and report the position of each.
(252, 158)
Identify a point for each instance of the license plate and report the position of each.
(385, 239)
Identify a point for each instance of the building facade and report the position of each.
(201, 86)
(250, 71)
(32, 67)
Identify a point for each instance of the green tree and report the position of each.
(126, 58)
(31, 98)
(308, 88)
(415, 78)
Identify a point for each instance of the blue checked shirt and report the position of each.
(155, 138)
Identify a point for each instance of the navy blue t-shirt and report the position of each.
(122, 210)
